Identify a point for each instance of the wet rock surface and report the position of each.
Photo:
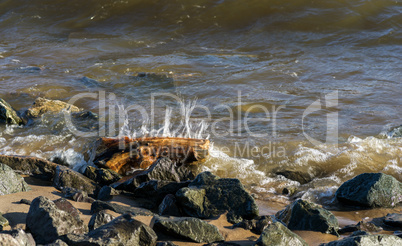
(8, 115)
(34, 166)
(299, 176)
(66, 177)
(99, 219)
(188, 228)
(208, 195)
(304, 215)
(11, 182)
(47, 222)
(371, 190)
(123, 230)
(42, 106)
(367, 240)
(276, 234)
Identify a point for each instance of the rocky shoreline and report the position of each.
(182, 210)
(169, 204)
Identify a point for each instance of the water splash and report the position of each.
(186, 127)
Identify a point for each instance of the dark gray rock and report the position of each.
(66, 206)
(257, 225)
(188, 228)
(98, 206)
(163, 169)
(367, 240)
(368, 227)
(168, 207)
(156, 190)
(88, 82)
(106, 193)
(360, 233)
(23, 238)
(208, 196)
(299, 176)
(371, 190)
(123, 230)
(66, 177)
(102, 176)
(307, 216)
(393, 220)
(8, 115)
(77, 195)
(47, 223)
(33, 166)
(99, 219)
(276, 234)
(10, 182)
(25, 201)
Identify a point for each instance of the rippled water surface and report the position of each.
(239, 59)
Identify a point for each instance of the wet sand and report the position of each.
(15, 212)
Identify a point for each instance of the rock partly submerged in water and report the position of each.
(47, 222)
(123, 230)
(307, 216)
(299, 176)
(42, 106)
(8, 115)
(33, 166)
(371, 190)
(208, 196)
(395, 132)
(10, 182)
(276, 234)
(188, 228)
(367, 240)
(66, 177)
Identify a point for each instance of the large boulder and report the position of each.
(23, 238)
(307, 216)
(10, 182)
(99, 219)
(276, 234)
(34, 166)
(8, 114)
(156, 190)
(66, 177)
(208, 196)
(367, 240)
(42, 106)
(163, 169)
(47, 222)
(371, 190)
(188, 228)
(123, 230)
(98, 206)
